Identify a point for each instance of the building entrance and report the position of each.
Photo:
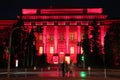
(61, 57)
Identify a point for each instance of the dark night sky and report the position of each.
(9, 9)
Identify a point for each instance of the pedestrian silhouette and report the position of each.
(71, 67)
(63, 69)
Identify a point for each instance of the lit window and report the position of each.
(81, 50)
(67, 59)
(71, 50)
(71, 36)
(40, 37)
(51, 50)
(40, 50)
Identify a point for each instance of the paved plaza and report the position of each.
(55, 73)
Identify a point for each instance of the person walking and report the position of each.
(71, 68)
(66, 68)
(63, 69)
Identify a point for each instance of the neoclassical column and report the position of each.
(44, 38)
(55, 38)
(67, 39)
(78, 38)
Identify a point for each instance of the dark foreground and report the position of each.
(58, 78)
(54, 73)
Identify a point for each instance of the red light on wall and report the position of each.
(7, 22)
(61, 11)
(29, 11)
(39, 23)
(50, 23)
(94, 10)
(46, 17)
(27, 23)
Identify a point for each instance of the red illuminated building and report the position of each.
(63, 30)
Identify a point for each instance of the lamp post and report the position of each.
(9, 54)
(83, 59)
(105, 71)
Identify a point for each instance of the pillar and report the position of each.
(67, 39)
(44, 39)
(78, 38)
(55, 38)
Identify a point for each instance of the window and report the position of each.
(55, 59)
(71, 36)
(40, 50)
(51, 37)
(71, 50)
(51, 50)
(61, 36)
(67, 59)
(81, 50)
(40, 37)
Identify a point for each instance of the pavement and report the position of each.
(57, 78)
(54, 73)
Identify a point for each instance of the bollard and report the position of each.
(48, 68)
(34, 68)
(89, 70)
(25, 73)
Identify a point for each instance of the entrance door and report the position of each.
(61, 57)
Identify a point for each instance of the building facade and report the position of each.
(63, 30)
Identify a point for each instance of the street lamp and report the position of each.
(9, 54)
